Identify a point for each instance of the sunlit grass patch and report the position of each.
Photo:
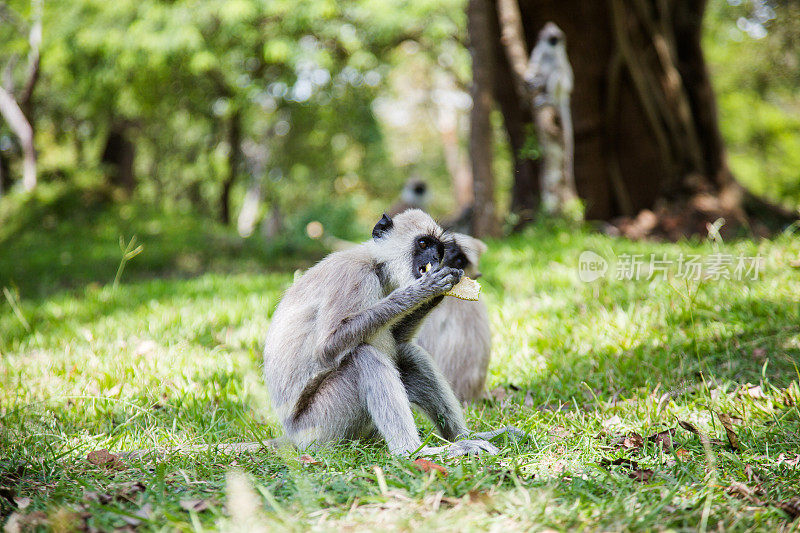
(171, 361)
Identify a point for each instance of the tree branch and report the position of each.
(512, 37)
(32, 76)
(11, 112)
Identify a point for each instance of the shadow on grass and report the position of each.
(64, 238)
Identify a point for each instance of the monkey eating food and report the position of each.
(466, 289)
(340, 361)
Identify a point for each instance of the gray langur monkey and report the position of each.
(456, 333)
(340, 362)
(415, 195)
(549, 73)
(550, 78)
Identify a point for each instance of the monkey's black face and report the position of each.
(427, 250)
(454, 257)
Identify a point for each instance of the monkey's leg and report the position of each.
(427, 387)
(385, 398)
(366, 394)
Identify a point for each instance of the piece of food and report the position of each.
(466, 289)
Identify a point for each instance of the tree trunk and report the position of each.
(518, 119)
(17, 111)
(118, 158)
(545, 82)
(234, 159)
(16, 120)
(480, 141)
(454, 158)
(645, 122)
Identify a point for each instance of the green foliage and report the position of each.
(300, 76)
(64, 237)
(755, 65)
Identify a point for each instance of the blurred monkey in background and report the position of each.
(415, 195)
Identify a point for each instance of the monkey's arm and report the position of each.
(359, 327)
(408, 326)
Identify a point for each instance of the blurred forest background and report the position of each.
(266, 115)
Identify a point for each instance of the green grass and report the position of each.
(171, 356)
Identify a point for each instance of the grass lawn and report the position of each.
(170, 356)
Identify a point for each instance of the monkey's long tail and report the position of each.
(233, 448)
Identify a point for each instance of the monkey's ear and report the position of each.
(480, 246)
(382, 227)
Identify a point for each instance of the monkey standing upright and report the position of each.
(456, 333)
(340, 362)
(550, 78)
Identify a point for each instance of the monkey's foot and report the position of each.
(511, 431)
(462, 447)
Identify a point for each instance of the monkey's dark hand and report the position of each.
(440, 280)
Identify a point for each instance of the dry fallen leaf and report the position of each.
(559, 431)
(703, 438)
(753, 392)
(743, 491)
(683, 454)
(727, 423)
(790, 507)
(197, 506)
(663, 438)
(631, 441)
(528, 401)
(105, 458)
(307, 459)
(25, 522)
(752, 475)
(688, 426)
(426, 466)
(641, 475)
(22, 503)
(612, 422)
(128, 490)
(95, 496)
(788, 462)
(145, 513)
(498, 394)
(478, 496)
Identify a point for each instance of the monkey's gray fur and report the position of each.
(339, 360)
(456, 333)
